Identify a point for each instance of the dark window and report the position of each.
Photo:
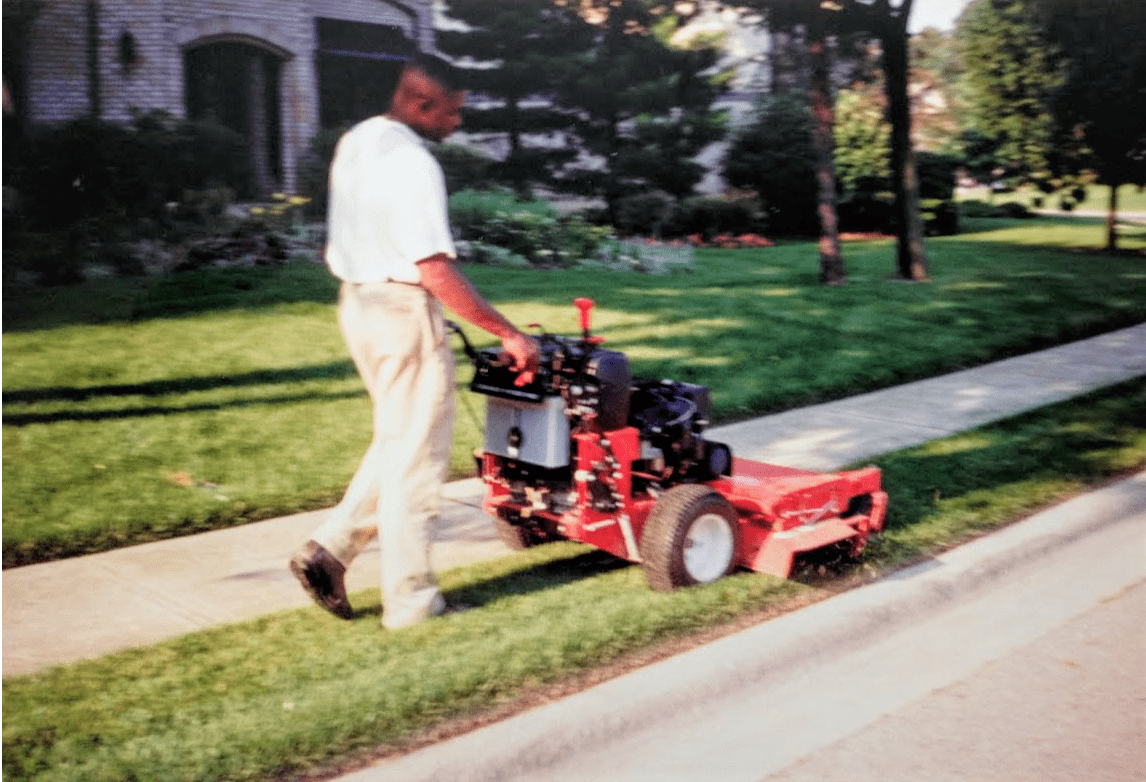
(358, 67)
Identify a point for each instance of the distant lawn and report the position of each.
(149, 409)
(1130, 198)
(298, 691)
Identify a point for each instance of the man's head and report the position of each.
(428, 98)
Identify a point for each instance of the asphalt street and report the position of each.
(1068, 706)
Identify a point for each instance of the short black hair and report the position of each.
(439, 69)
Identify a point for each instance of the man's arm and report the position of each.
(448, 285)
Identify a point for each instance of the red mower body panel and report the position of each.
(782, 511)
(586, 452)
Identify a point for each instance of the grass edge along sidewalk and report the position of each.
(297, 694)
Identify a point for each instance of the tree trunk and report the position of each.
(823, 141)
(911, 257)
(1111, 228)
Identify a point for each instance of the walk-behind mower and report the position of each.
(586, 452)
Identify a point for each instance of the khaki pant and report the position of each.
(398, 341)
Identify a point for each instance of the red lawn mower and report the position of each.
(586, 452)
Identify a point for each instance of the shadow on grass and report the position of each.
(941, 494)
(175, 294)
(29, 419)
(338, 370)
(946, 492)
(552, 574)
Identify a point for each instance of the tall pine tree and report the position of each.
(644, 107)
(517, 54)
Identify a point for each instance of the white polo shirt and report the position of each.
(388, 207)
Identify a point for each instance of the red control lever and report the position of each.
(586, 307)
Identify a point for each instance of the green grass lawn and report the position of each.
(147, 409)
(298, 691)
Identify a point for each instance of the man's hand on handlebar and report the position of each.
(523, 354)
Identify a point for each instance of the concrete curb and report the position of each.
(530, 742)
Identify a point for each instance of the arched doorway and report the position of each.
(237, 84)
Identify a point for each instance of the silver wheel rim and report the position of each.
(708, 548)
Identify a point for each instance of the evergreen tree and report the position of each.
(643, 106)
(517, 54)
(774, 157)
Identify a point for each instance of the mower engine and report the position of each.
(587, 452)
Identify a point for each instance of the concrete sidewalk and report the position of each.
(85, 607)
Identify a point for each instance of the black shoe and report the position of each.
(321, 575)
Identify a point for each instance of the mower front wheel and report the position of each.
(691, 537)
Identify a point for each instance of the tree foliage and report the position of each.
(519, 53)
(624, 111)
(1100, 106)
(863, 140)
(1059, 87)
(643, 105)
(773, 156)
(1012, 73)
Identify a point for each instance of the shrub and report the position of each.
(464, 168)
(497, 227)
(644, 214)
(867, 211)
(471, 210)
(940, 217)
(773, 156)
(734, 213)
(1014, 210)
(1010, 210)
(314, 171)
(871, 206)
(936, 175)
(86, 169)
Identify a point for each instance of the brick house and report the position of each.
(276, 72)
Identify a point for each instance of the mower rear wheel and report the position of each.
(691, 537)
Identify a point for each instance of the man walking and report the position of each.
(390, 244)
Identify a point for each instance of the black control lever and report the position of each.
(472, 354)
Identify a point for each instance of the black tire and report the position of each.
(672, 529)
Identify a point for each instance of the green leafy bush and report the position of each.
(773, 156)
(936, 175)
(733, 213)
(870, 205)
(647, 213)
(314, 171)
(464, 168)
(529, 230)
